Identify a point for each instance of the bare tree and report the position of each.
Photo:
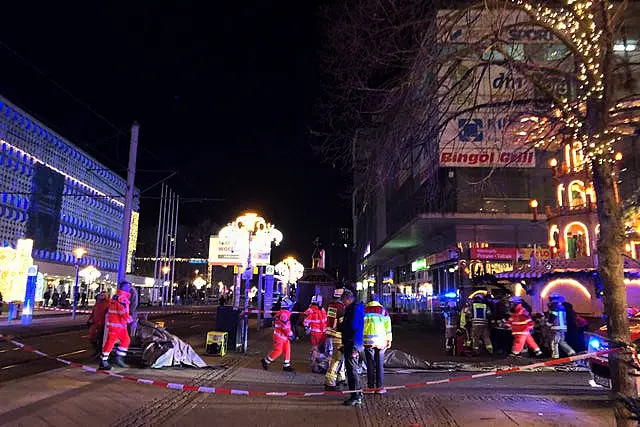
(400, 78)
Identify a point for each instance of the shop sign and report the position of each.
(419, 265)
(441, 257)
(222, 252)
(483, 158)
(541, 253)
(494, 253)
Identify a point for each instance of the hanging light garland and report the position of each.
(575, 26)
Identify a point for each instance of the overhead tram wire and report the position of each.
(89, 108)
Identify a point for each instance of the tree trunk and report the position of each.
(611, 271)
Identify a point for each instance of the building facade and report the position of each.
(59, 197)
(460, 208)
(469, 207)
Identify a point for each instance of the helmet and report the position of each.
(286, 303)
(556, 297)
(347, 294)
(337, 293)
(515, 299)
(101, 296)
(316, 299)
(478, 298)
(452, 304)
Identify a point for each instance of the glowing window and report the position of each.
(577, 195)
(576, 238)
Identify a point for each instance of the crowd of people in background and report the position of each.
(507, 326)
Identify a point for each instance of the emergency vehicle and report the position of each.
(599, 365)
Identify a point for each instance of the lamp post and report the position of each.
(165, 271)
(78, 254)
(534, 209)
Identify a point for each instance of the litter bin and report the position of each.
(216, 343)
(228, 320)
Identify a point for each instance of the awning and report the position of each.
(528, 274)
(430, 233)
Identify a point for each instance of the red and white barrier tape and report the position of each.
(269, 311)
(218, 390)
(69, 310)
(66, 310)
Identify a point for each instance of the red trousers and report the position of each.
(520, 339)
(114, 335)
(316, 339)
(280, 347)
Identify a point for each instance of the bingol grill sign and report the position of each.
(480, 158)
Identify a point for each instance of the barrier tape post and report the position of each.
(228, 391)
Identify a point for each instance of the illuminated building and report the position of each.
(60, 197)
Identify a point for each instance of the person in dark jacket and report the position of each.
(352, 329)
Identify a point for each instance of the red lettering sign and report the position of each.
(487, 158)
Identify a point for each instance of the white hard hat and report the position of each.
(316, 299)
(338, 292)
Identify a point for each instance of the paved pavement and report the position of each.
(70, 397)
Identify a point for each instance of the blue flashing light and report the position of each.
(595, 343)
(451, 295)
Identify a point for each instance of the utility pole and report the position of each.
(174, 242)
(157, 267)
(128, 203)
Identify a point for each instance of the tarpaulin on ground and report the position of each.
(400, 360)
(163, 349)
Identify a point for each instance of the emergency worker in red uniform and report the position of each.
(282, 335)
(315, 324)
(521, 324)
(118, 318)
(96, 322)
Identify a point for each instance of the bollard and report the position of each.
(14, 310)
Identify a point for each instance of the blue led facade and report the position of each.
(88, 211)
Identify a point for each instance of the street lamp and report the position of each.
(534, 209)
(78, 253)
(165, 271)
(290, 270)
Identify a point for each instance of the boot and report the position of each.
(288, 369)
(354, 400)
(120, 362)
(265, 364)
(104, 366)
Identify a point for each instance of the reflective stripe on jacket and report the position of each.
(520, 322)
(558, 318)
(118, 313)
(315, 320)
(282, 329)
(479, 313)
(335, 312)
(377, 325)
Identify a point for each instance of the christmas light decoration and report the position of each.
(575, 25)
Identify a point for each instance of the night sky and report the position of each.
(224, 93)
